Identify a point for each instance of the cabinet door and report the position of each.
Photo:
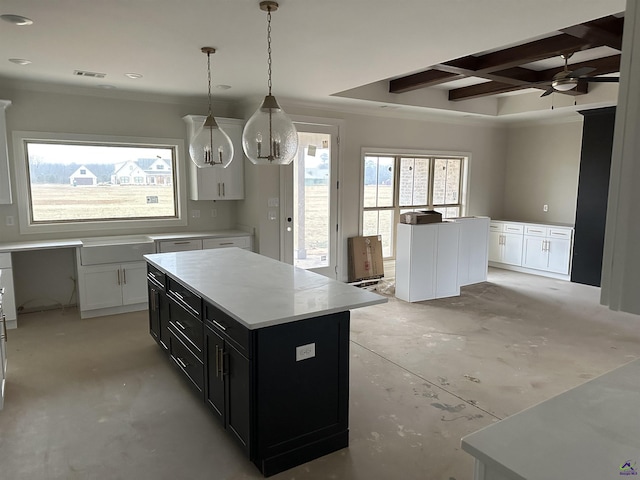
(214, 377)
(495, 246)
(9, 298)
(100, 287)
(559, 252)
(512, 249)
(3, 355)
(232, 177)
(134, 281)
(447, 260)
(154, 312)
(535, 253)
(236, 372)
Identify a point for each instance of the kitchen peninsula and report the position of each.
(264, 344)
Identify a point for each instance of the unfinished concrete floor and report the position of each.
(97, 399)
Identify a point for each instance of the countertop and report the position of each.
(588, 432)
(114, 240)
(549, 224)
(258, 291)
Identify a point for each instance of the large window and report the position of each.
(394, 184)
(87, 184)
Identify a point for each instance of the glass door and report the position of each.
(310, 193)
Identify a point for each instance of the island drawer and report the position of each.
(156, 277)
(188, 329)
(222, 323)
(186, 361)
(188, 300)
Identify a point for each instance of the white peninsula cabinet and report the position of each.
(216, 182)
(531, 248)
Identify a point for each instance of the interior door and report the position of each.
(310, 201)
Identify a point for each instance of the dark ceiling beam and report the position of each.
(424, 79)
(483, 90)
(607, 31)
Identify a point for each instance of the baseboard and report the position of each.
(101, 312)
(530, 271)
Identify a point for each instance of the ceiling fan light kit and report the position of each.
(269, 136)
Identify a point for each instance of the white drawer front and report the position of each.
(496, 227)
(513, 228)
(180, 245)
(558, 232)
(240, 242)
(5, 260)
(536, 230)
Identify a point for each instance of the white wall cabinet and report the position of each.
(5, 181)
(216, 182)
(9, 298)
(531, 248)
(105, 286)
(427, 261)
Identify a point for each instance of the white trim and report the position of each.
(26, 227)
(530, 271)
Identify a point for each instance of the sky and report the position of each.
(85, 154)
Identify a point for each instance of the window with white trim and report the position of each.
(83, 182)
(395, 184)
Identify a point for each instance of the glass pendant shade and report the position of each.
(211, 145)
(269, 137)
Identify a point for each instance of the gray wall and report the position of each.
(542, 167)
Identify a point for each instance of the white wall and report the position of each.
(486, 143)
(70, 113)
(542, 167)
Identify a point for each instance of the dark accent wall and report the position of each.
(593, 191)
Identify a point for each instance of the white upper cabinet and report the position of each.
(216, 182)
(5, 182)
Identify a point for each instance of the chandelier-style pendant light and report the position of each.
(269, 137)
(210, 145)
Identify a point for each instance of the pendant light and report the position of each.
(210, 145)
(269, 137)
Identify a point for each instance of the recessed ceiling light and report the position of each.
(223, 87)
(133, 75)
(20, 61)
(17, 19)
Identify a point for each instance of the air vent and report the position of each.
(83, 73)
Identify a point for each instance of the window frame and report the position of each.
(93, 227)
(396, 208)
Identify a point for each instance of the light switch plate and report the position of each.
(304, 352)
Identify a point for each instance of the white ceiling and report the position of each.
(320, 48)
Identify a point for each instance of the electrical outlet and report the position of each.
(195, 213)
(214, 213)
(8, 221)
(545, 208)
(304, 352)
(273, 215)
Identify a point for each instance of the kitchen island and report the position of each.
(264, 344)
(588, 432)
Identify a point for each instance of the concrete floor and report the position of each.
(96, 398)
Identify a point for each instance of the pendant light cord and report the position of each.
(269, 45)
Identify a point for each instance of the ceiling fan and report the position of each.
(566, 79)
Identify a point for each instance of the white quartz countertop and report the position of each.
(114, 240)
(588, 432)
(259, 291)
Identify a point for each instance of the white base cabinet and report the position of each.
(427, 261)
(473, 250)
(105, 286)
(531, 248)
(6, 283)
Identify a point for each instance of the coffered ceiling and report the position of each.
(526, 65)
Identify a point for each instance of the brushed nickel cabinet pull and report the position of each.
(5, 337)
(180, 325)
(221, 327)
(223, 192)
(124, 276)
(119, 277)
(181, 362)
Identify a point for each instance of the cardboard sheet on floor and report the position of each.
(365, 258)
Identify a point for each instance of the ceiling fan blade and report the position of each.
(548, 92)
(601, 79)
(581, 71)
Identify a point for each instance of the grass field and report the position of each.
(54, 202)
